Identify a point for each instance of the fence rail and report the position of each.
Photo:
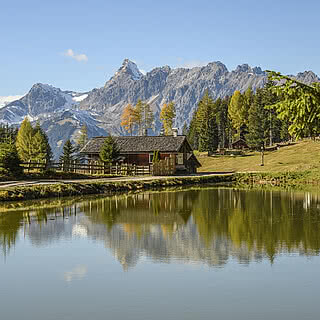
(89, 168)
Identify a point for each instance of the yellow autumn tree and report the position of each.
(167, 114)
(236, 112)
(127, 118)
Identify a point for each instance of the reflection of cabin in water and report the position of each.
(140, 150)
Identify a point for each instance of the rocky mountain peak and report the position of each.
(308, 77)
(129, 68)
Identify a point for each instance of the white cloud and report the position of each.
(79, 57)
(77, 273)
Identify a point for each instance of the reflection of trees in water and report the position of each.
(207, 226)
(211, 225)
(42, 225)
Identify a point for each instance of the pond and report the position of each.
(214, 253)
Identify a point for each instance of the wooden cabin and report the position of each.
(139, 150)
(239, 144)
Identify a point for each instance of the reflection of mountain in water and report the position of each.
(201, 226)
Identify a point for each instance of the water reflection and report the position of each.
(206, 226)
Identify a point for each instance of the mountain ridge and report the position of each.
(62, 113)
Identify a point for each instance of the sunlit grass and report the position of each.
(302, 156)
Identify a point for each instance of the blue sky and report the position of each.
(78, 45)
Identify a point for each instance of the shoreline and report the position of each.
(63, 189)
(69, 189)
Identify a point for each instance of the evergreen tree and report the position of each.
(223, 121)
(167, 114)
(206, 124)
(9, 158)
(257, 123)
(67, 155)
(193, 136)
(41, 145)
(109, 151)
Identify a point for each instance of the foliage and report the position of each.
(156, 157)
(8, 134)
(299, 104)
(32, 143)
(143, 117)
(83, 138)
(167, 114)
(67, 155)
(24, 142)
(127, 118)
(42, 149)
(109, 151)
(9, 159)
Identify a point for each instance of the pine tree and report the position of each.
(257, 122)
(109, 151)
(206, 124)
(167, 114)
(24, 141)
(42, 145)
(9, 158)
(67, 155)
(193, 136)
(127, 118)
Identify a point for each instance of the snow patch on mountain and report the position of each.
(4, 100)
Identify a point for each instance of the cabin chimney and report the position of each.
(162, 131)
(175, 132)
(145, 132)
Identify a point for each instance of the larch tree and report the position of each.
(137, 116)
(299, 104)
(83, 137)
(236, 111)
(147, 117)
(24, 141)
(127, 118)
(167, 114)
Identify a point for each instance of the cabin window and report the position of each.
(150, 157)
(179, 158)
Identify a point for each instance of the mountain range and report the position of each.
(62, 113)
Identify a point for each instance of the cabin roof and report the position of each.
(138, 144)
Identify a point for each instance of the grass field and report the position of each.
(302, 156)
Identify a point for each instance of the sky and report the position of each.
(78, 45)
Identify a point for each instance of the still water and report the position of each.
(192, 254)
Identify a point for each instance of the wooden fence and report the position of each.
(93, 167)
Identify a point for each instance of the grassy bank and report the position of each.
(278, 179)
(98, 187)
(303, 156)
